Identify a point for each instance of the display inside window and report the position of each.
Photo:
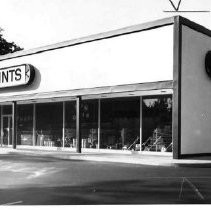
(6, 125)
(120, 123)
(7, 130)
(70, 124)
(25, 124)
(157, 124)
(89, 124)
(49, 124)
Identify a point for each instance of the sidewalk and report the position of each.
(142, 159)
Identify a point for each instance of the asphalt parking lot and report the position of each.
(39, 180)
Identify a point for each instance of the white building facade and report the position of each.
(142, 88)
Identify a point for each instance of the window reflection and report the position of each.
(120, 123)
(49, 124)
(6, 126)
(7, 110)
(25, 124)
(89, 126)
(70, 124)
(157, 124)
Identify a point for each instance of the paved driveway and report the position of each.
(30, 180)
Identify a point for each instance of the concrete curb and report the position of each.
(149, 160)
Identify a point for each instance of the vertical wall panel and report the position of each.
(196, 94)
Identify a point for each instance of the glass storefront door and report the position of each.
(7, 130)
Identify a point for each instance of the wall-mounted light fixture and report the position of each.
(208, 63)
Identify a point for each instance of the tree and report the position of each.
(7, 47)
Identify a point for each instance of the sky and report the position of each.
(36, 23)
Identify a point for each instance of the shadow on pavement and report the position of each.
(194, 165)
(143, 191)
(16, 157)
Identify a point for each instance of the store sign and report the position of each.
(16, 75)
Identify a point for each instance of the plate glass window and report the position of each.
(157, 124)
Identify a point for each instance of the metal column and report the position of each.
(63, 127)
(99, 125)
(78, 124)
(14, 124)
(141, 116)
(1, 126)
(34, 125)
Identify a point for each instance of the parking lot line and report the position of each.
(12, 203)
(195, 189)
(183, 179)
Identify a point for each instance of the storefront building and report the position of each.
(142, 88)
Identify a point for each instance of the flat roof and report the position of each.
(114, 33)
(91, 38)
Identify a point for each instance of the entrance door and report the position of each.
(7, 130)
